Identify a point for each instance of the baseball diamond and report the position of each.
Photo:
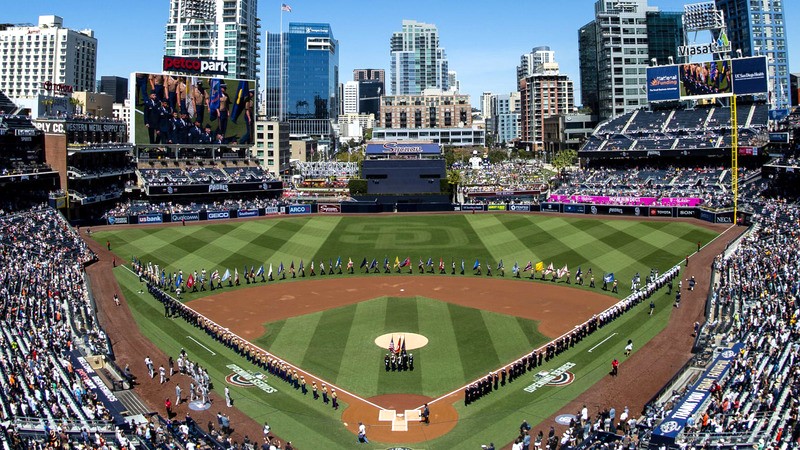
(323, 327)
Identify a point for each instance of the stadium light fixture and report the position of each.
(199, 9)
(702, 16)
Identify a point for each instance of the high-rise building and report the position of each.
(664, 36)
(371, 86)
(543, 94)
(46, 59)
(309, 98)
(431, 109)
(218, 29)
(533, 62)
(487, 105)
(452, 81)
(116, 87)
(417, 60)
(614, 54)
(506, 118)
(350, 97)
(758, 28)
(369, 74)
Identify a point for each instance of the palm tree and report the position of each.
(454, 180)
(75, 103)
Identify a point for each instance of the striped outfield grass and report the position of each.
(338, 344)
(619, 246)
(622, 247)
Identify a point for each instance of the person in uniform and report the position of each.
(314, 390)
(386, 362)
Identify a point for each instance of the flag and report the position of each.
(515, 269)
(214, 98)
(312, 265)
(397, 261)
(235, 274)
(529, 266)
(240, 99)
(500, 265)
(549, 269)
(215, 275)
(399, 343)
(280, 268)
(363, 263)
(349, 263)
(190, 282)
(285, 7)
(406, 262)
(476, 265)
(301, 265)
(260, 271)
(269, 274)
(330, 264)
(578, 272)
(539, 266)
(373, 264)
(339, 261)
(226, 275)
(462, 264)
(291, 266)
(391, 345)
(562, 271)
(178, 280)
(430, 261)
(609, 277)
(385, 261)
(441, 263)
(252, 272)
(404, 345)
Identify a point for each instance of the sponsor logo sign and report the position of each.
(256, 379)
(550, 207)
(662, 83)
(217, 215)
(471, 207)
(200, 66)
(574, 209)
(299, 209)
(687, 212)
(708, 216)
(725, 218)
(544, 378)
(521, 208)
(497, 207)
(750, 75)
(329, 208)
(615, 210)
(151, 218)
(271, 210)
(660, 212)
(187, 217)
(118, 220)
(248, 212)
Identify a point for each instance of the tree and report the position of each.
(368, 134)
(75, 103)
(453, 180)
(496, 156)
(564, 158)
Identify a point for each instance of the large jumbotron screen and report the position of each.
(191, 110)
(743, 76)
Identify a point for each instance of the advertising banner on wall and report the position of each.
(662, 83)
(742, 76)
(750, 76)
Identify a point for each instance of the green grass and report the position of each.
(338, 344)
(624, 247)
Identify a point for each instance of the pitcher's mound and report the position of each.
(412, 340)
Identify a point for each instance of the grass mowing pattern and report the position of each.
(338, 344)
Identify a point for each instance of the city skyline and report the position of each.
(482, 40)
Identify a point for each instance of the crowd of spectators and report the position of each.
(46, 313)
(203, 175)
(327, 169)
(130, 208)
(503, 176)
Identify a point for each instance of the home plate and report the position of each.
(399, 423)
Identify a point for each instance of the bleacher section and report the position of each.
(189, 175)
(703, 130)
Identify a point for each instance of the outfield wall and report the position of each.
(720, 217)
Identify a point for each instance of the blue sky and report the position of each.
(483, 39)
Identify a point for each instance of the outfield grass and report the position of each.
(338, 344)
(623, 247)
(619, 246)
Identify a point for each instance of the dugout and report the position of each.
(402, 172)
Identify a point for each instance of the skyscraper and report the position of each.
(533, 62)
(217, 29)
(758, 28)
(371, 86)
(614, 53)
(310, 93)
(543, 94)
(417, 60)
(34, 57)
(350, 97)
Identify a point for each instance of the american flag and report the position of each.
(285, 7)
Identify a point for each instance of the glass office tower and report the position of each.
(310, 94)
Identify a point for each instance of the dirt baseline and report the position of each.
(244, 312)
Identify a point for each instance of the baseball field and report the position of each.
(327, 326)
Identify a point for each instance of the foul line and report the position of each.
(201, 345)
(602, 342)
(268, 353)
